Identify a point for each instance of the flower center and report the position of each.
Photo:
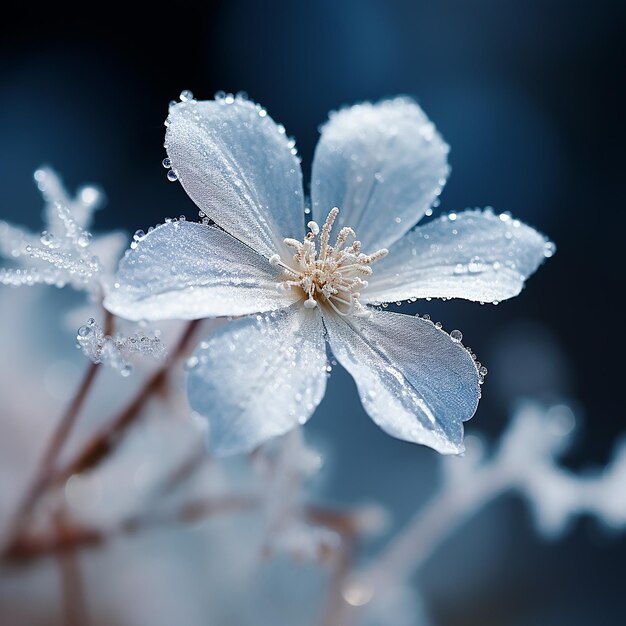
(332, 275)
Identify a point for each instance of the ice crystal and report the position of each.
(64, 253)
(115, 351)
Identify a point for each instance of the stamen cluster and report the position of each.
(334, 274)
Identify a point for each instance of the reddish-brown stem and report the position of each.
(74, 537)
(30, 547)
(72, 588)
(107, 439)
(58, 439)
(334, 610)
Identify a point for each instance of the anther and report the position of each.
(314, 227)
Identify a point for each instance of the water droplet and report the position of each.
(172, 176)
(438, 324)
(456, 335)
(166, 163)
(482, 370)
(191, 363)
(126, 371)
(84, 331)
(91, 321)
(475, 266)
(84, 239)
(549, 249)
(89, 195)
(426, 316)
(186, 95)
(46, 238)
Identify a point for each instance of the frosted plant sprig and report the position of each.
(526, 461)
(64, 253)
(283, 507)
(115, 351)
(378, 169)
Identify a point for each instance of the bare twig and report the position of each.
(72, 537)
(107, 439)
(58, 439)
(72, 589)
(32, 547)
(334, 610)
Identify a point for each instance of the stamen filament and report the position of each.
(332, 276)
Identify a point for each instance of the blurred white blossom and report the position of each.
(64, 253)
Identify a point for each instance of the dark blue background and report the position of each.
(530, 97)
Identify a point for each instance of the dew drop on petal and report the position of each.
(456, 335)
(549, 249)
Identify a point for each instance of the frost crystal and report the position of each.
(62, 254)
(115, 351)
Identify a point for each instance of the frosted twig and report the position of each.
(286, 527)
(107, 439)
(114, 351)
(57, 440)
(61, 254)
(73, 592)
(34, 546)
(524, 462)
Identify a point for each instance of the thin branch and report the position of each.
(58, 439)
(107, 439)
(72, 588)
(31, 547)
(432, 525)
(334, 610)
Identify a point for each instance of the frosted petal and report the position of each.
(382, 165)
(475, 255)
(415, 382)
(186, 270)
(238, 166)
(258, 377)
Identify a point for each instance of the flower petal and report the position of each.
(382, 165)
(186, 270)
(475, 255)
(259, 377)
(238, 166)
(415, 382)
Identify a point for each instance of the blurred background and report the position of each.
(530, 97)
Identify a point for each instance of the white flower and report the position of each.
(383, 165)
(65, 252)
